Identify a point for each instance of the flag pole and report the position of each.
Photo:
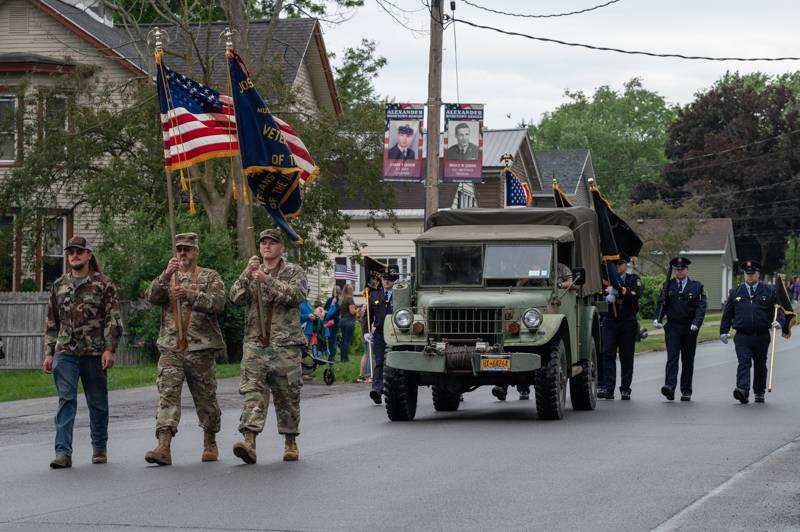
(772, 355)
(159, 51)
(369, 328)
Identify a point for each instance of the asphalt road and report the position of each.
(711, 464)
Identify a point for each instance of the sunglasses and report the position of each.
(74, 251)
(680, 268)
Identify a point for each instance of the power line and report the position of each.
(553, 15)
(621, 51)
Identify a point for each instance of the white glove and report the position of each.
(724, 338)
(776, 325)
(693, 328)
(610, 298)
(657, 324)
(612, 291)
(368, 338)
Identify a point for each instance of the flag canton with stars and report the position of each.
(189, 94)
(516, 195)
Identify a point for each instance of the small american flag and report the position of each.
(199, 124)
(343, 273)
(517, 192)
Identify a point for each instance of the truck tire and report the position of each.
(444, 400)
(583, 387)
(401, 394)
(550, 383)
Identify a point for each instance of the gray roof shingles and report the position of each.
(565, 165)
(290, 41)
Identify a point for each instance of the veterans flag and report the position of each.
(785, 303)
(560, 197)
(608, 245)
(518, 194)
(272, 170)
(197, 121)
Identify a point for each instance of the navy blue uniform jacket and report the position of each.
(684, 308)
(750, 315)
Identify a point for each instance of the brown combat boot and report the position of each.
(290, 451)
(246, 450)
(161, 454)
(61, 461)
(99, 456)
(210, 451)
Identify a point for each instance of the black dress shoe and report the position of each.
(601, 393)
(686, 397)
(759, 398)
(500, 393)
(626, 395)
(740, 395)
(668, 392)
(375, 396)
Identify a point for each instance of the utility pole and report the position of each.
(434, 109)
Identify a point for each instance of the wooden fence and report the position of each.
(22, 322)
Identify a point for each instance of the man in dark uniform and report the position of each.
(402, 149)
(684, 305)
(750, 309)
(380, 306)
(620, 330)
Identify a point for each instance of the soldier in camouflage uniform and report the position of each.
(82, 332)
(273, 344)
(197, 295)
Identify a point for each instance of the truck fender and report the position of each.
(589, 332)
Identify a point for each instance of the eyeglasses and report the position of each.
(75, 251)
(680, 268)
(184, 249)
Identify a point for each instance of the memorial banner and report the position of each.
(463, 142)
(402, 142)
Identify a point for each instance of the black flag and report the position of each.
(786, 304)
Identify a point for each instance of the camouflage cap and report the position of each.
(186, 239)
(272, 234)
(78, 242)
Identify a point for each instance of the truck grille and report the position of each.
(460, 324)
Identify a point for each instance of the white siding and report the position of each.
(391, 244)
(304, 85)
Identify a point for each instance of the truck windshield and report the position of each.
(527, 265)
(450, 265)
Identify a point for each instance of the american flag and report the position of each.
(199, 124)
(518, 193)
(343, 273)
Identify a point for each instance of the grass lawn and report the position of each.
(709, 331)
(30, 383)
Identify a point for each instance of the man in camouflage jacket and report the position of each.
(82, 332)
(273, 345)
(191, 298)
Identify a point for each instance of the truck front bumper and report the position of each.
(436, 363)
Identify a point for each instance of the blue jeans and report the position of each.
(348, 328)
(66, 370)
(334, 333)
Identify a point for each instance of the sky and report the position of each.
(519, 79)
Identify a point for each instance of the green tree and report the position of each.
(735, 147)
(665, 237)
(625, 131)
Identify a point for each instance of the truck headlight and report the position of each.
(403, 318)
(532, 318)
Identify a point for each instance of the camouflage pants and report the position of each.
(197, 368)
(265, 370)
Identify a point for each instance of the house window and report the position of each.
(464, 199)
(6, 253)
(55, 114)
(406, 266)
(8, 128)
(54, 238)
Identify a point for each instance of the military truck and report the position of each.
(484, 308)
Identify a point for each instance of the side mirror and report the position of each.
(578, 276)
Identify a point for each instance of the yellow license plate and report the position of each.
(495, 364)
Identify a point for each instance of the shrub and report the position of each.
(135, 252)
(652, 290)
